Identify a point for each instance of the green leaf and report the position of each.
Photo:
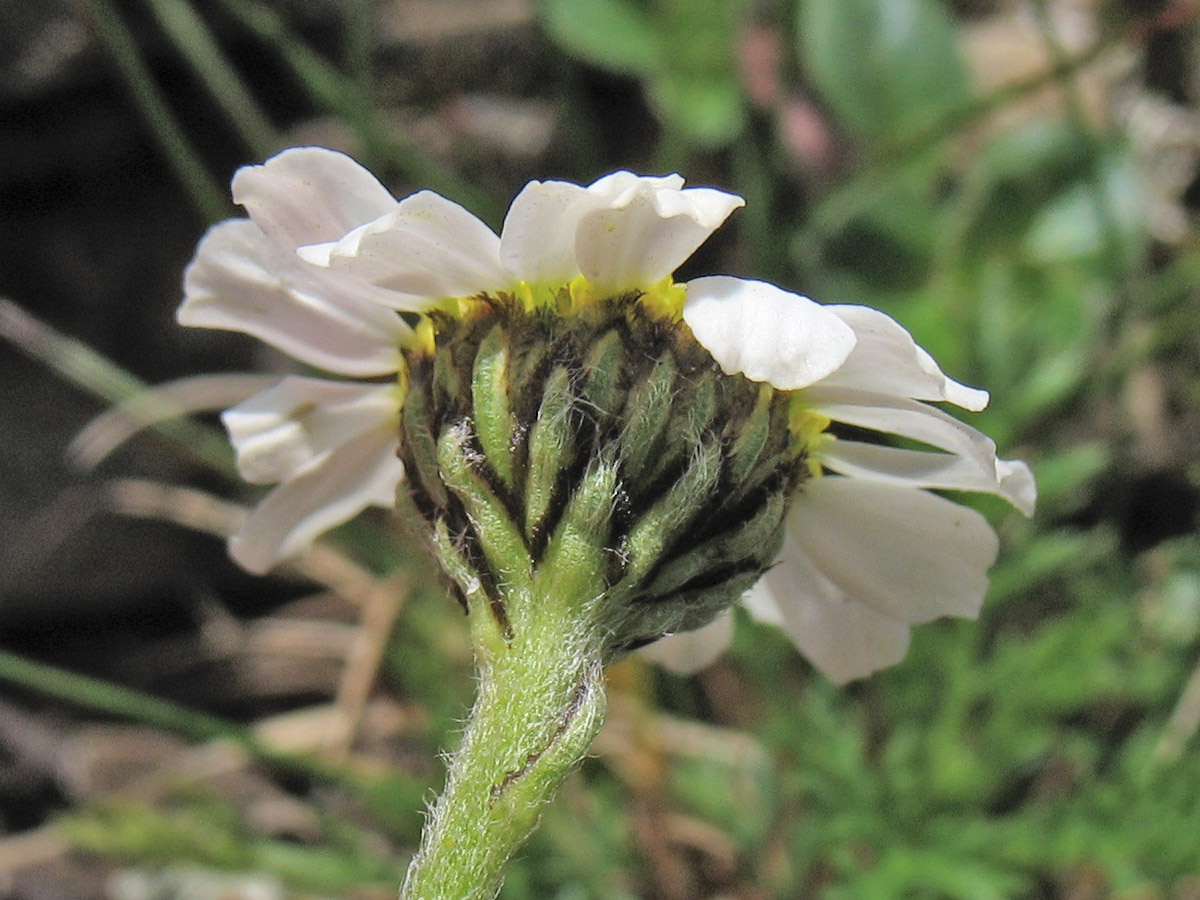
(1099, 216)
(708, 108)
(889, 242)
(889, 69)
(612, 34)
(1013, 180)
(683, 53)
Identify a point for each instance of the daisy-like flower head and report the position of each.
(444, 332)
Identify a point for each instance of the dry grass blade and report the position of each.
(379, 600)
(202, 393)
(183, 506)
(81, 366)
(31, 848)
(1183, 724)
(380, 607)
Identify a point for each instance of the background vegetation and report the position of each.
(1015, 180)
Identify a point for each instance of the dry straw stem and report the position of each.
(379, 600)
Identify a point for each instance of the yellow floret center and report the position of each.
(810, 431)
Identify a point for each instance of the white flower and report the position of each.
(328, 257)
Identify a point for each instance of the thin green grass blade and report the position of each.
(77, 363)
(104, 697)
(207, 196)
(344, 97)
(194, 41)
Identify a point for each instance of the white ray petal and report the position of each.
(764, 332)
(537, 244)
(618, 188)
(427, 246)
(241, 281)
(305, 195)
(843, 638)
(691, 651)
(364, 472)
(905, 418)
(287, 427)
(904, 552)
(1011, 480)
(887, 360)
(646, 230)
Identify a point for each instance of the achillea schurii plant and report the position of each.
(600, 458)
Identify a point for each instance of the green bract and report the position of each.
(538, 444)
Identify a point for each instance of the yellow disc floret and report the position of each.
(810, 431)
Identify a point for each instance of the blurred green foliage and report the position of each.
(1018, 756)
(683, 53)
(889, 69)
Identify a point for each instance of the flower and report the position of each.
(334, 271)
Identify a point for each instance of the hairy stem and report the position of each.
(540, 703)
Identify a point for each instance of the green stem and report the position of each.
(539, 705)
(539, 651)
(571, 509)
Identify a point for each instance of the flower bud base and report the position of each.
(528, 435)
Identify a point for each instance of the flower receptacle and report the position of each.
(601, 457)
